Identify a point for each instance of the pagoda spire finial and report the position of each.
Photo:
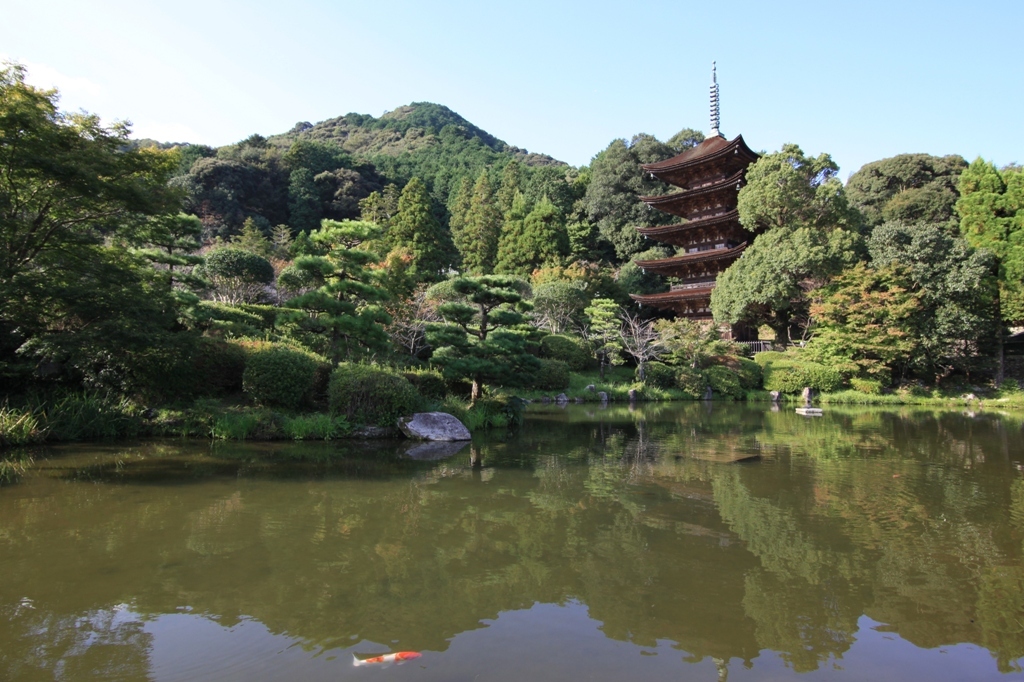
(714, 102)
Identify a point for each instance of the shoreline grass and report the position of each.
(84, 416)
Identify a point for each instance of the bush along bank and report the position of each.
(263, 390)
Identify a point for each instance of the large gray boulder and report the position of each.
(433, 426)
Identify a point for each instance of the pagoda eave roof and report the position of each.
(695, 257)
(672, 197)
(711, 148)
(731, 216)
(670, 296)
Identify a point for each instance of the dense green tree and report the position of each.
(865, 323)
(771, 282)
(907, 187)
(543, 242)
(991, 208)
(342, 316)
(687, 138)
(690, 343)
(478, 241)
(304, 209)
(414, 227)
(788, 189)
(477, 342)
(633, 280)
(924, 306)
(67, 180)
(811, 234)
(73, 195)
(611, 200)
(558, 305)
(316, 156)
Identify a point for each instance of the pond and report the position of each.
(671, 541)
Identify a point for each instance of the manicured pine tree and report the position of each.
(603, 331)
(172, 241)
(343, 313)
(477, 342)
(483, 226)
(415, 228)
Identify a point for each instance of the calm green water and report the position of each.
(688, 541)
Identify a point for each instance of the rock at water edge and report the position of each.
(433, 426)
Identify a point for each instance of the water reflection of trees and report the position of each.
(915, 520)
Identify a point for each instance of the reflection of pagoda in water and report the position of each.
(709, 176)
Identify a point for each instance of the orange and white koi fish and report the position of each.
(398, 657)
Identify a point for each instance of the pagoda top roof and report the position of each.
(695, 256)
(658, 230)
(711, 148)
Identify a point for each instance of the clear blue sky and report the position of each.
(859, 80)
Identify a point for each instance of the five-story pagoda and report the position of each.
(710, 237)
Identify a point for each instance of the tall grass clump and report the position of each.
(496, 413)
(315, 427)
(19, 427)
(86, 415)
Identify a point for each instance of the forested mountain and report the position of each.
(322, 171)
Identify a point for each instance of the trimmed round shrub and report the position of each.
(764, 357)
(553, 375)
(218, 366)
(791, 376)
(658, 374)
(724, 382)
(280, 375)
(367, 394)
(692, 381)
(430, 384)
(749, 373)
(567, 349)
(236, 264)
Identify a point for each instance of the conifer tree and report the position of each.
(252, 239)
(508, 259)
(381, 207)
(414, 227)
(991, 208)
(458, 208)
(304, 208)
(541, 242)
(482, 228)
(511, 183)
